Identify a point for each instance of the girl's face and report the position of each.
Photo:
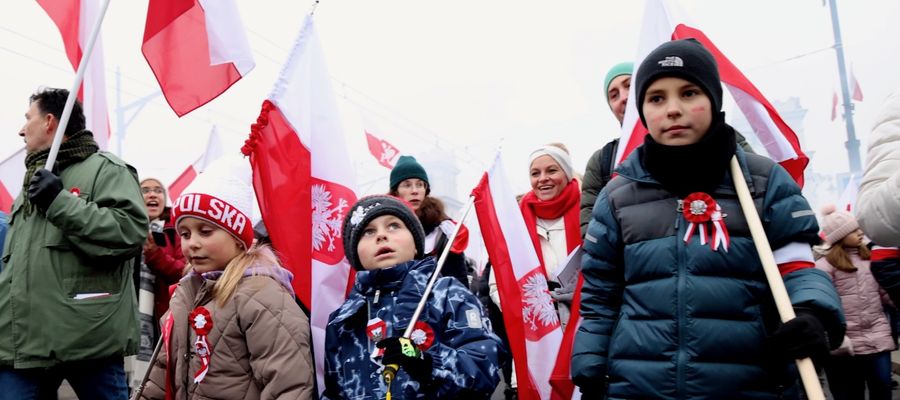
(413, 191)
(206, 246)
(547, 178)
(677, 112)
(385, 242)
(854, 239)
(154, 198)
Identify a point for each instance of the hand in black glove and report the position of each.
(403, 352)
(591, 388)
(801, 337)
(43, 188)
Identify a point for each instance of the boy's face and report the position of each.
(385, 242)
(677, 112)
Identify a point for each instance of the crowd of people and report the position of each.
(98, 264)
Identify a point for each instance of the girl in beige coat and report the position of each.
(233, 330)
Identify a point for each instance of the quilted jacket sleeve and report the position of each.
(278, 340)
(155, 387)
(878, 201)
(787, 219)
(601, 295)
(466, 360)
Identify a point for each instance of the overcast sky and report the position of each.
(465, 76)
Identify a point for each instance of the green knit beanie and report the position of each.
(623, 68)
(407, 167)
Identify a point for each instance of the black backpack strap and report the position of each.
(608, 161)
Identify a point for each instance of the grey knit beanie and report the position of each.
(371, 207)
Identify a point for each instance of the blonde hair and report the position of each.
(234, 271)
(837, 256)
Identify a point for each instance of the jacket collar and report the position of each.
(409, 279)
(632, 168)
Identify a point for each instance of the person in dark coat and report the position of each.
(675, 303)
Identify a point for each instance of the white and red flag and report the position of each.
(531, 319)
(12, 174)
(847, 201)
(384, 152)
(214, 150)
(75, 19)
(305, 182)
(663, 22)
(857, 93)
(196, 48)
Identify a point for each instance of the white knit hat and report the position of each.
(557, 154)
(222, 195)
(837, 224)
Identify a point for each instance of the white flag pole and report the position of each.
(73, 93)
(776, 284)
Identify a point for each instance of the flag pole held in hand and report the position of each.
(73, 93)
(390, 370)
(773, 276)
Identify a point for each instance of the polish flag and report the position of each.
(847, 201)
(305, 182)
(12, 174)
(663, 22)
(196, 48)
(214, 150)
(75, 19)
(854, 86)
(834, 106)
(531, 320)
(384, 152)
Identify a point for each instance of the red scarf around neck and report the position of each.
(566, 205)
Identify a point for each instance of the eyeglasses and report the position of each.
(157, 190)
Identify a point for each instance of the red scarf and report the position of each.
(566, 205)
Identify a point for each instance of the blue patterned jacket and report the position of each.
(465, 353)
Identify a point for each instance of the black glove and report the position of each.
(43, 188)
(591, 388)
(403, 352)
(801, 337)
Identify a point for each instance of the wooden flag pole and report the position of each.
(73, 93)
(773, 275)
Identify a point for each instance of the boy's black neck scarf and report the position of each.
(698, 167)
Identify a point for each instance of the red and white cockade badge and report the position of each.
(75, 191)
(422, 335)
(201, 322)
(698, 209)
(376, 330)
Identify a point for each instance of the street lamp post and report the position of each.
(852, 142)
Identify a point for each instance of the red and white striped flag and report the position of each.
(847, 201)
(384, 152)
(12, 174)
(196, 48)
(531, 320)
(214, 150)
(75, 19)
(305, 182)
(663, 22)
(857, 93)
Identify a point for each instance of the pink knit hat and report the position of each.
(837, 224)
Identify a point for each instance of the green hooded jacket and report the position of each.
(66, 289)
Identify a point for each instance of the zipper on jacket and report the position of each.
(680, 248)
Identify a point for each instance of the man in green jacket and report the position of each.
(67, 301)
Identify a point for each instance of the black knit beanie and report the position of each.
(686, 59)
(371, 207)
(406, 168)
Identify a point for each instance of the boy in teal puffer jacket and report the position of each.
(675, 302)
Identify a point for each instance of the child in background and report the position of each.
(233, 329)
(675, 303)
(864, 358)
(452, 352)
